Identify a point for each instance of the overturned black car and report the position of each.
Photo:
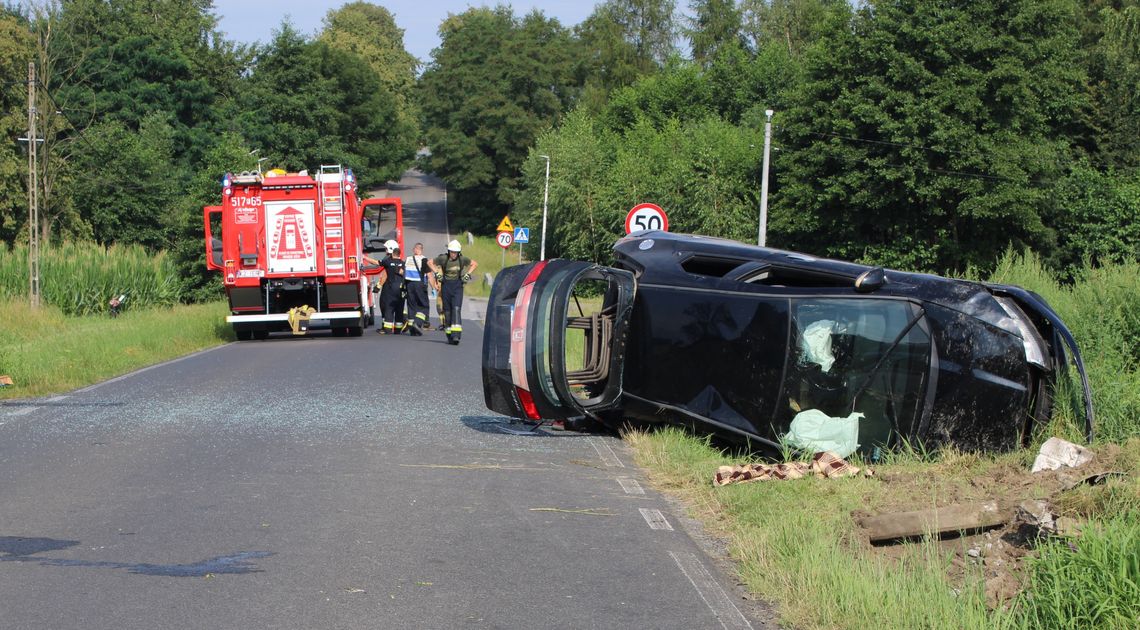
(774, 347)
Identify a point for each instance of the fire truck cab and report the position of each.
(292, 249)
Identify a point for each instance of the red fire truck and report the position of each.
(292, 250)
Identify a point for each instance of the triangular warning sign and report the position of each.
(505, 225)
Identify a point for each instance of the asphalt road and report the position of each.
(325, 482)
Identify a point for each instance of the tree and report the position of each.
(1112, 39)
(128, 183)
(370, 32)
(621, 41)
(926, 136)
(715, 24)
(308, 103)
(647, 24)
(492, 86)
(793, 24)
(229, 154)
(15, 53)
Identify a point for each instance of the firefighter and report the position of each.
(453, 270)
(391, 306)
(417, 276)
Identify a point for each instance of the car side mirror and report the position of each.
(871, 280)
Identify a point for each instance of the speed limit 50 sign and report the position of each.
(646, 216)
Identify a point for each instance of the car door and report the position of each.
(555, 339)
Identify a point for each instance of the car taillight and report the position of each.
(534, 273)
(528, 403)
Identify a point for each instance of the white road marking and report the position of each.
(630, 485)
(713, 595)
(146, 369)
(609, 457)
(655, 519)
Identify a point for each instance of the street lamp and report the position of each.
(545, 197)
(762, 232)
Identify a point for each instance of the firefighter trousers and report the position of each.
(417, 303)
(391, 309)
(453, 307)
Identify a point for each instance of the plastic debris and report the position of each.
(6, 381)
(1057, 453)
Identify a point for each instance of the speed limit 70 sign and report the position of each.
(505, 239)
(646, 216)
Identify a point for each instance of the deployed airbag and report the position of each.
(815, 431)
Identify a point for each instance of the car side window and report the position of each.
(855, 356)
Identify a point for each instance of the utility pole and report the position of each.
(762, 232)
(545, 197)
(33, 199)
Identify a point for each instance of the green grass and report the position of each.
(81, 278)
(46, 352)
(1091, 582)
(794, 543)
(490, 257)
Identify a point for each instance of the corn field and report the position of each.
(81, 278)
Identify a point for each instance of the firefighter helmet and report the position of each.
(391, 246)
(454, 246)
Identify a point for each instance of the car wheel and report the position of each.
(243, 335)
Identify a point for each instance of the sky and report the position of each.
(250, 21)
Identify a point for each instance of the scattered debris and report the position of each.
(1056, 453)
(826, 464)
(6, 381)
(589, 511)
(424, 583)
(354, 590)
(968, 517)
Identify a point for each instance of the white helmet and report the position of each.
(391, 246)
(454, 246)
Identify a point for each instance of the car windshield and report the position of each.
(857, 356)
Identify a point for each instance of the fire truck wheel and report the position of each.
(355, 331)
(244, 335)
(261, 335)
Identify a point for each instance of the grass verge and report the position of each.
(798, 544)
(46, 352)
(490, 257)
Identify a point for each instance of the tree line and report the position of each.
(923, 134)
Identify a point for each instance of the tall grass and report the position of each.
(1090, 582)
(486, 251)
(81, 278)
(1102, 309)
